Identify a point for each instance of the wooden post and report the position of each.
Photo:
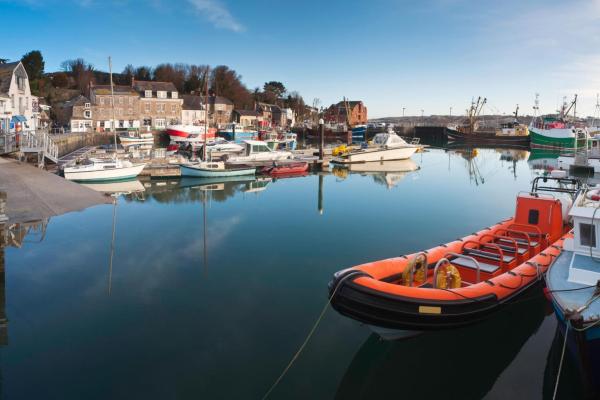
(320, 199)
(321, 138)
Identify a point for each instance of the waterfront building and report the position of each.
(16, 111)
(220, 110)
(354, 112)
(126, 108)
(193, 111)
(246, 118)
(159, 104)
(77, 114)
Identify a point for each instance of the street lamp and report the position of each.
(403, 108)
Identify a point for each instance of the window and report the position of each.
(161, 94)
(160, 107)
(87, 114)
(147, 122)
(534, 217)
(101, 101)
(159, 123)
(121, 123)
(174, 95)
(130, 122)
(148, 93)
(101, 124)
(587, 235)
(12, 100)
(173, 108)
(87, 105)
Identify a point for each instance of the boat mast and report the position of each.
(205, 117)
(112, 100)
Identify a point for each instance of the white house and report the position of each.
(193, 111)
(16, 108)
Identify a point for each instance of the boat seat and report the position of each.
(519, 241)
(483, 266)
(510, 249)
(488, 255)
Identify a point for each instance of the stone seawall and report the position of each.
(72, 141)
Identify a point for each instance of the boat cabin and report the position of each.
(255, 146)
(584, 267)
(388, 139)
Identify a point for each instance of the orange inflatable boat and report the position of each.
(460, 282)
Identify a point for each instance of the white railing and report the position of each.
(40, 141)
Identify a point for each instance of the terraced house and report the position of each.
(159, 105)
(126, 111)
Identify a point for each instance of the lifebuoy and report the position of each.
(593, 195)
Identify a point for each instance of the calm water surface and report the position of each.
(179, 316)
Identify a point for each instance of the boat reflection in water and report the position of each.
(388, 173)
(118, 187)
(403, 369)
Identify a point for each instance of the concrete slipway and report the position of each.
(34, 194)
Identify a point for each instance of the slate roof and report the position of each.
(118, 89)
(76, 101)
(191, 102)
(154, 86)
(219, 100)
(6, 73)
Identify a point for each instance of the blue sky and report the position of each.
(422, 55)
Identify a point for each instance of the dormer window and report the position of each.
(87, 105)
(148, 93)
(587, 235)
(161, 94)
(173, 95)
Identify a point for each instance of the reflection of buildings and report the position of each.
(14, 235)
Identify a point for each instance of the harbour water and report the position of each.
(211, 292)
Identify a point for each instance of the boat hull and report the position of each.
(486, 138)
(208, 173)
(390, 154)
(115, 174)
(238, 136)
(562, 139)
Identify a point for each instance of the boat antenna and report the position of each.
(112, 100)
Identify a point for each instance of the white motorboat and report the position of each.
(119, 187)
(258, 151)
(212, 169)
(220, 145)
(135, 137)
(98, 170)
(384, 147)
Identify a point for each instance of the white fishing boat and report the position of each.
(384, 147)
(258, 151)
(557, 131)
(97, 170)
(212, 169)
(135, 137)
(101, 170)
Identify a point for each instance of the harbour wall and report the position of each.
(70, 142)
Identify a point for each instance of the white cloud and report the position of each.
(217, 13)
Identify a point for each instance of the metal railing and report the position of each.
(40, 141)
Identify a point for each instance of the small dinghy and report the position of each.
(461, 282)
(284, 169)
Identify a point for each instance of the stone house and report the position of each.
(193, 111)
(16, 110)
(77, 114)
(354, 112)
(126, 109)
(160, 104)
(246, 118)
(220, 110)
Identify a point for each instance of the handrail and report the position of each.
(440, 262)
(489, 244)
(457, 255)
(525, 235)
(538, 230)
(502, 237)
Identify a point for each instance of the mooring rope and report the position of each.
(310, 333)
(562, 356)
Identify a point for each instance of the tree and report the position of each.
(34, 64)
(60, 80)
(196, 77)
(143, 74)
(127, 74)
(81, 71)
(227, 83)
(171, 73)
(277, 88)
